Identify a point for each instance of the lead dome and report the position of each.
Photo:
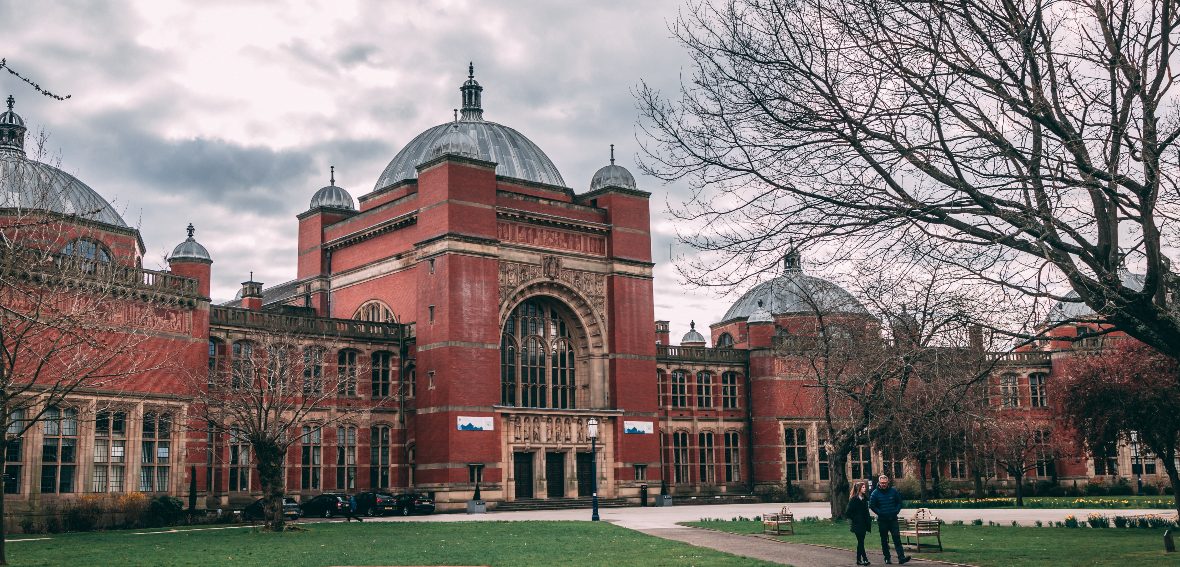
(332, 197)
(794, 292)
(514, 154)
(612, 175)
(190, 249)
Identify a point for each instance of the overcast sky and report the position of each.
(228, 114)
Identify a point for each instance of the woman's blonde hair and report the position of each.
(856, 488)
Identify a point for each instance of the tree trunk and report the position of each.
(977, 477)
(936, 478)
(3, 495)
(838, 484)
(922, 479)
(1019, 476)
(270, 476)
(1169, 466)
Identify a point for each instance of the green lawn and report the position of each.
(1101, 502)
(374, 543)
(995, 546)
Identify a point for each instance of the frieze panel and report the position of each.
(589, 284)
(551, 238)
(543, 430)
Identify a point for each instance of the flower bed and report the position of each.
(1160, 502)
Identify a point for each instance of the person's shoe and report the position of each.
(903, 560)
(888, 561)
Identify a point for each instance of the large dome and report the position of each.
(1069, 311)
(515, 155)
(794, 292)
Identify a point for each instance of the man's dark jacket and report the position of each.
(885, 502)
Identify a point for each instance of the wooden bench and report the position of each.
(923, 524)
(779, 523)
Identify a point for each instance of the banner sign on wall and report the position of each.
(638, 427)
(475, 423)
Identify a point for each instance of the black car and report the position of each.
(413, 503)
(257, 509)
(326, 505)
(375, 503)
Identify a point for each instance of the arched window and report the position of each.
(87, 250)
(704, 389)
(375, 311)
(725, 340)
(679, 389)
(538, 361)
(243, 365)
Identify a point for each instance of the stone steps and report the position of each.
(558, 504)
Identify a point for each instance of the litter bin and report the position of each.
(643, 495)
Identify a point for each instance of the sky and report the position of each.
(228, 114)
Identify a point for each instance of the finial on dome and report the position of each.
(11, 101)
(612, 154)
(692, 325)
(793, 261)
(332, 178)
(472, 108)
(190, 230)
(456, 114)
(471, 69)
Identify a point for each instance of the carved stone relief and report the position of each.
(547, 430)
(589, 284)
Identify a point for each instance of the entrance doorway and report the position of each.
(585, 474)
(555, 475)
(523, 471)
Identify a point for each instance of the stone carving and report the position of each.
(548, 430)
(552, 266)
(589, 284)
(551, 238)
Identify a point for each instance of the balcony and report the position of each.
(702, 354)
(1030, 358)
(97, 275)
(281, 323)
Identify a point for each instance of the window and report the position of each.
(216, 362)
(707, 461)
(729, 391)
(346, 457)
(796, 453)
(891, 464)
(662, 386)
(88, 253)
(211, 480)
(411, 381)
(732, 457)
(679, 389)
(1106, 459)
(379, 443)
(278, 367)
(1142, 460)
(346, 373)
(243, 365)
(382, 366)
(312, 458)
(156, 459)
(862, 461)
(957, 468)
(680, 461)
(1009, 394)
(110, 451)
(313, 370)
(1036, 390)
(538, 361)
(59, 449)
(13, 459)
(475, 473)
(725, 340)
(1045, 465)
(824, 473)
(239, 462)
(704, 390)
(640, 472)
(376, 312)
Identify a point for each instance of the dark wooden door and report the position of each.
(555, 475)
(585, 474)
(523, 470)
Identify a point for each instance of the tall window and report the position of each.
(662, 386)
(156, 459)
(1142, 460)
(382, 367)
(313, 370)
(891, 464)
(708, 460)
(411, 381)
(729, 391)
(1045, 465)
(679, 389)
(1106, 459)
(313, 451)
(216, 361)
(957, 468)
(243, 365)
(822, 445)
(13, 458)
(279, 359)
(211, 481)
(346, 372)
(733, 457)
(680, 458)
(59, 450)
(862, 461)
(537, 357)
(346, 457)
(1009, 393)
(379, 444)
(796, 453)
(376, 312)
(239, 462)
(1036, 390)
(725, 340)
(704, 390)
(110, 451)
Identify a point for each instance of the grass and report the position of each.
(995, 546)
(374, 543)
(1100, 502)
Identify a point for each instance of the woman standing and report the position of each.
(858, 518)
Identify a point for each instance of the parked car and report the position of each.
(375, 503)
(257, 509)
(413, 503)
(326, 505)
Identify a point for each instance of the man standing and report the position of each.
(886, 503)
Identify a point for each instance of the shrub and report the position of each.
(1039, 524)
(53, 524)
(1168, 490)
(1120, 488)
(957, 523)
(84, 513)
(1044, 487)
(1071, 521)
(909, 488)
(977, 522)
(165, 511)
(29, 525)
(1149, 490)
(1120, 522)
(1098, 521)
(1058, 490)
(1095, 489)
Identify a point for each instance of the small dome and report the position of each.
(190, 249)
(454, 142)
(760, 315)
(12, 130)
(612, 175)
(331, 196)
(692, 337)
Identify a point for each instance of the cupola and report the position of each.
(190, 250)
(692, 338)
(612, 176)
(12, 130)
(332, 197)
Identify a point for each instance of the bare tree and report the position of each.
(1027, 145)
(276, 384)
(1019, 446)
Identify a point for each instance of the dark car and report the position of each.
(257, 510)
(413, 503)
(375, 503)
(326, 505)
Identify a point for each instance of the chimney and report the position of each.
(975, 337)
(252, 294)
(662, 333)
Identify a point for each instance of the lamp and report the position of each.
(592, 431)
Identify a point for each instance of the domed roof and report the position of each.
(30, 184)
(190, 249)
(515, 155)
(454, 142)
(692, 336)
(612, 175)
(332, 197)
(1064, 311)
(794, 292)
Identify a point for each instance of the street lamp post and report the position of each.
(592, 426)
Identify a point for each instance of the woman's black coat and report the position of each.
(858, 515)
